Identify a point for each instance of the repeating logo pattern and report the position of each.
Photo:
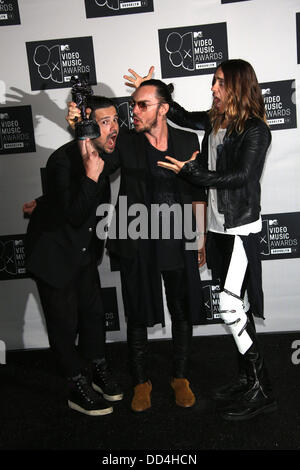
(280, 104)
(9, 12)
(280, 236)
(193, 50)
(97, 8)
(53, 62)
(124, 112)
(16, 130)
(12, 257)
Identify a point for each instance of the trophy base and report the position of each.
(87, 129)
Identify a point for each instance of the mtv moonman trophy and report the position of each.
(86, 128)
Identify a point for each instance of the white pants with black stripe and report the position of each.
(232, 306)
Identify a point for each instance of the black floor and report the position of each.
(34, 415)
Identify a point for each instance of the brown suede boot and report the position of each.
(141, 400)
(183, 394)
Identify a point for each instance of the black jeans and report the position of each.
(76, 309)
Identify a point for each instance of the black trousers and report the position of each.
(76, 309)
(177, 301)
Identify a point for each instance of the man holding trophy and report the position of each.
(63, 250)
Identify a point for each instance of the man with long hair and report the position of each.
(231, 162)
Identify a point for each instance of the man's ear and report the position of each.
(164, 108)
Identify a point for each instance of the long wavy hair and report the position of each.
(244, 97)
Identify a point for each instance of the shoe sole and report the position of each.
(76, 407)
(266, 409)
(107, 397)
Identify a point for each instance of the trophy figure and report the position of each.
(86, 128)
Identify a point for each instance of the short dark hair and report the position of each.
(99, 102)
(163, 91)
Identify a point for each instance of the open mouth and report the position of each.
(217, 101)
(111, 141)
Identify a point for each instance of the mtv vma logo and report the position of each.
(124, 112)
(280, 103)
(12, 257)
(9, 13)
(280, 236)
(52, 63)
(211, 291)
(97, 8)
(193, 50)
(16, 130)
(111, 309)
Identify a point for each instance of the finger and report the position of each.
(173, 160)
(90, 148)
(193, 157)
(128, 78)
(136, 75)
(129, 84)
(168, 166)
(150, 73)
(82, 147)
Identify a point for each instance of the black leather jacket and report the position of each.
(240, 162)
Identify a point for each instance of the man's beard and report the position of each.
(150, 126)
(102, 148)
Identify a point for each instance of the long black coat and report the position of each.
(136, 185)
(61, 232)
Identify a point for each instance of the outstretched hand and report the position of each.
(136, 80)
(176, 165)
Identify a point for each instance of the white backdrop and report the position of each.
(261, 32)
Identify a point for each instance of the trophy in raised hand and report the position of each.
(81, 91)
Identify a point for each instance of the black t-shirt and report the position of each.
(165, 196)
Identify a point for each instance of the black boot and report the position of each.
(232, 390)
(104, 381)
(182, 332)
(257, 398)
(138, 352)
(84, 399)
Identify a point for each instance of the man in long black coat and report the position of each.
(62, 253)
(144, 260)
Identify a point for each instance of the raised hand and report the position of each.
(74, 114)
(92, 162)
(136, 80)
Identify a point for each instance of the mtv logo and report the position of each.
(4, 116)
(273, 222)
(198, 34)
(18, 242)
(266, 91)
(65, 47)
